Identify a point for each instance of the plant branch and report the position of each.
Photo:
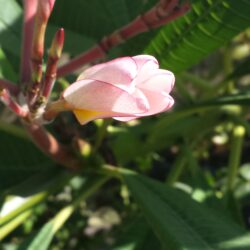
(49, 145)
(6, 98)
(161, 14)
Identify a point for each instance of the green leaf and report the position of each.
(208, 26)
(95, 18)
(10, 26)
(182, 223)
(137, 235)
(6, 69)
(75, 42)
(42, 238)
(19, 158)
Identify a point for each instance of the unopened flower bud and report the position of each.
(55, 50)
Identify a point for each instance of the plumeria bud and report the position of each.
(44, 10)
(124, 89)
(55, 50)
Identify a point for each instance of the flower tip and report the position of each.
(57, 44)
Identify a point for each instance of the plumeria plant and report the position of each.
(127, 128)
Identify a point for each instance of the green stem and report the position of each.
(200, 83)
(178, 167)
(183, 91)
(13, 224)
(101, 133)
(36, 199)
(228, 68)
(235, 155)
(66, 212)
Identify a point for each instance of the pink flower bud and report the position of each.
(124, 89)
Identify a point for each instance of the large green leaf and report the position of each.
(136, 235)
(10, 26)
(19, 158)
(182, 223)
(208, 26)
(96, 18)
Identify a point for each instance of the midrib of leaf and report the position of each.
(178, 217)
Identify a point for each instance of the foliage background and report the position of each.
(196, 193)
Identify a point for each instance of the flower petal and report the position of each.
(85, 116)
(118, 72)
(157, 102)
(103, 97)
(124, 119)
(143, 59)
(159, 81)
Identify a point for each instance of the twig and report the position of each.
(6, 98)
(48, 144)
(162, 13)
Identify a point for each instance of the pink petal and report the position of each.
(142, 59)
(124, 119)
(159, 81)
(103, 97)
(158, 103)
(118, 72)
(148, 69)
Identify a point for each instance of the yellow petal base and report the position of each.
(85, 116)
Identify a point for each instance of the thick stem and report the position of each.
(159, 15)
(30, 7)
(48, 144)
(91, 55)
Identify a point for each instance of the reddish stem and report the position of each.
(28, 27)
(92, 54)
(48, 144)
(10, 86)
(54, 55)
(6, 98)
(162, 13)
